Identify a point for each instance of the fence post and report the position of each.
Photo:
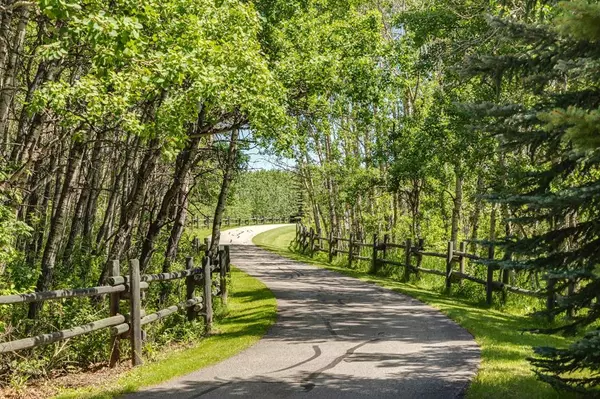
(115, 351)
(419, 258)
(208, 311)
(135, 309)
(449, 256)
(490, 276)
(551, 297)
(223, 276)
(386, 240)
(374, 262)
(407, 266)
(330, 247)
(336, 242)
(462, 261)
(189, 288)
(350, 250)
(320, 240)
(304, 238)
(312, 242)
(505, 279)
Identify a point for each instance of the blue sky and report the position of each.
(266, 161)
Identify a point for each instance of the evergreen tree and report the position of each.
(553, 68)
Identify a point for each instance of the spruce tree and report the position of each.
(547, 77)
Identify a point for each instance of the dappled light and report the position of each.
(335, 336)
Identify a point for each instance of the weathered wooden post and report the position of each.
(206, 245)
(227, 259)
(336, 244)
(190, 286)
(330, 247)
(312, 242)
(304, 239)
(135, 309)
(421, 246)
(223, 276)
(551, 297)
(228, 220)
(374, 261)
(449, 256)
(386, 240)
(489, 287)
(462, 260)
(115, 351)
(407, 254)
(208, 310)
(350, 250)
(319, 240)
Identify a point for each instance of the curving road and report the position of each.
(335, 337)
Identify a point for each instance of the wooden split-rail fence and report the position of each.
(131, 288)
(455, 259)
(229, 221)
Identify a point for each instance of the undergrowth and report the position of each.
(90, 350)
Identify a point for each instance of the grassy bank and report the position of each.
(252, 310)
(504, 371)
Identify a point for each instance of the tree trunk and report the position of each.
(5, 20)
(9, 82)
(175, 236)
(476, 214)
(133, 206)
(222, 201)
(457, 206)
(56, 225)
(95, 173)
(185, 162)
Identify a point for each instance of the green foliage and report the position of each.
(554, 122)
(269, 193)
(10, 229)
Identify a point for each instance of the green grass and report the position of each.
(252, 310)
(504, 371)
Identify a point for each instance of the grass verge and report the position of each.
(252, 310)
(504, 372)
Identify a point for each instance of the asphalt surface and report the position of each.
(335, 337)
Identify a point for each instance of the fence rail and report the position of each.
(229, 221)
(311, 242)
(129, 288)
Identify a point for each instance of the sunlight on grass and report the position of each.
(504, 371)
(252, 310)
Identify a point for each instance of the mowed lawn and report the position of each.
(504, 371)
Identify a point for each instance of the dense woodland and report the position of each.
(435, 119)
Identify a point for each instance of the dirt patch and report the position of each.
(40, 389)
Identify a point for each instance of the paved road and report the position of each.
(335, 337)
